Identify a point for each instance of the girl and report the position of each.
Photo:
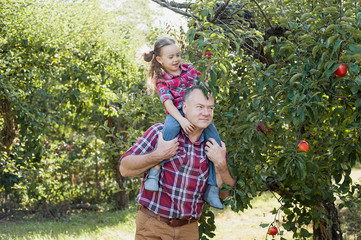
(171, 78)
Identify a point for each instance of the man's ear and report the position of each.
(184, 107)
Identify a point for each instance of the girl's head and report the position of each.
(164, 57)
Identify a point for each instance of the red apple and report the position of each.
(260, 128)
(341, 70)
(208, 54)
(273, 231)
(303, 146)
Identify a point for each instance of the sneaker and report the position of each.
(152, 179)
(211, 196)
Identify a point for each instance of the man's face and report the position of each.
(198, 109)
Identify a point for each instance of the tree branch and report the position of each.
(175, 7)
(264, 15)
(331, 94)
(219, 11)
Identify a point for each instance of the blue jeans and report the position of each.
(171, 130)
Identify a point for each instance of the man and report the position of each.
(173, 211)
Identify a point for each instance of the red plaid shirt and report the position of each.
(182, 180)
(172, 87)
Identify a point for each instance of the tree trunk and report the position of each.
(121, 197)
(328, 230)
(9, 130)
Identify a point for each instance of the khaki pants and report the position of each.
(149, 228)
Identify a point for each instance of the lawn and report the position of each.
(120, 224)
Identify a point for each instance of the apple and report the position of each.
(273, 231)
(341, 70)
(208, 54)
(260, 128)
(303, 146)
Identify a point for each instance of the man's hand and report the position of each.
(166, 149)
(216, 153)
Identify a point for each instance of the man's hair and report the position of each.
(189, 91)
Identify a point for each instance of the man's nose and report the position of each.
(206, 111)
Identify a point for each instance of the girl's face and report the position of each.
(170, 59)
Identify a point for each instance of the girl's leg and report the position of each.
(211, 194)
(171, 127)
(170, 131)
(211, 132)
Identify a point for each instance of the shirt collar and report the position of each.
(199, 141)
(168, 76)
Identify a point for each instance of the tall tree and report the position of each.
(272, 64)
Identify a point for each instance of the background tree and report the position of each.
(65, 68)
(273, 63)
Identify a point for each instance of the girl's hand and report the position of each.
(186, 125)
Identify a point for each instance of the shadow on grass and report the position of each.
(86, 224)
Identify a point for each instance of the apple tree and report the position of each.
(271, 69)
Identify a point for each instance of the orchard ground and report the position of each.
(248, 225)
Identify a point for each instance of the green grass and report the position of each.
(120, 225)
(90, 225)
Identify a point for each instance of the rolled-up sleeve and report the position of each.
(164, 91)
(146, 143)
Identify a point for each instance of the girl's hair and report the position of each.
(155, 68)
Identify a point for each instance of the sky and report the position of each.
(167, 17)
(174, 19)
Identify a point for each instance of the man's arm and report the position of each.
(217, 154)
(134, 165)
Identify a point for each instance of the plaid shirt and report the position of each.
(182, 180)
(172, 87)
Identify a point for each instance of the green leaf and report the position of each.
(354, 69)
(358, 80)
(315, 50)
(358, 103)
(331, 40)
(305, 16)
(264, 225)
(295, 77)
(337, 44)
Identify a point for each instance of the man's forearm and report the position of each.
(134, 165)
(224, 176)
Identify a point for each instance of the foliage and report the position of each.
(272, 62)
(63, 66)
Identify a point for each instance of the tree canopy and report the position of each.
(273, 63)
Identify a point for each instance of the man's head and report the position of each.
(197, 108)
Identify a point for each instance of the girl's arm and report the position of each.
(172, 110)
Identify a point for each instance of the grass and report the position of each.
(90, 225)
(120, 225)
